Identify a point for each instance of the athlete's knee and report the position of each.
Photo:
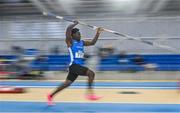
(93, 74)
(67, 83)
(90, 73)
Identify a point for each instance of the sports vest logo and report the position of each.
(79, 54)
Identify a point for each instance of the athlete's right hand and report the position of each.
(76, 22)
(99, 30)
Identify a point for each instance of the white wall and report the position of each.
(137, 27)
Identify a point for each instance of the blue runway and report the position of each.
(126, 85)
(86, 107)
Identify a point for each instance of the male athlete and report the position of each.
(76, 51)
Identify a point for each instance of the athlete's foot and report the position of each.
(50, 100)
(93, 97)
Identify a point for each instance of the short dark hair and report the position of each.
(74, 30)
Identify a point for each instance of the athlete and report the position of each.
(76, 51)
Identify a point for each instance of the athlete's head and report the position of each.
(76, 34)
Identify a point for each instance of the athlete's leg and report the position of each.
(91, 76)
(70, 79)
(90, 92)
(61, 87)
(84, 71)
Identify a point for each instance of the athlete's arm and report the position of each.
(68, 33)
(94, 40)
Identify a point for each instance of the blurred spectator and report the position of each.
(123, 57)
(106, 51)
(23, 64)
(139, 60)
(17, 50)
(55, 50)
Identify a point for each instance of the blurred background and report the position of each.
(32, 46)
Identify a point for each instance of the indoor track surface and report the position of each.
(122, 96)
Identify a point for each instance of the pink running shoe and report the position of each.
(49, 100)
(93, 97)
